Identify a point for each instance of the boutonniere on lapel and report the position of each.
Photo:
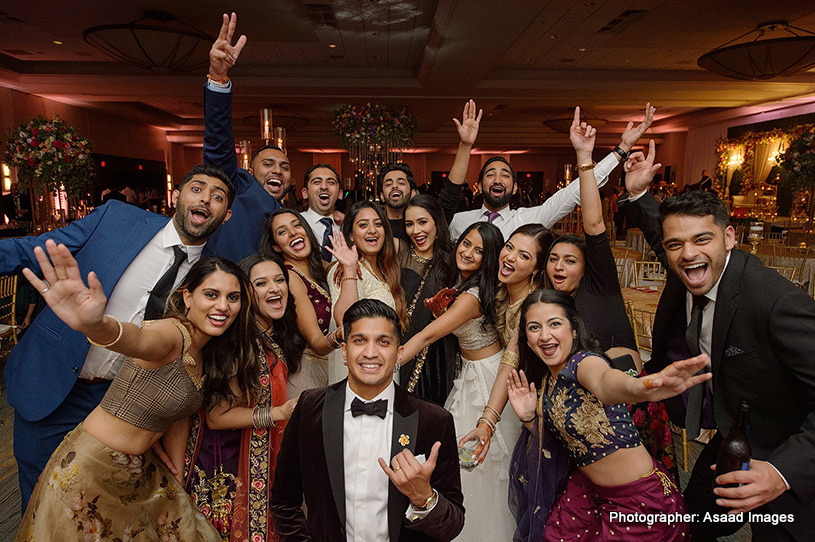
(404, 440)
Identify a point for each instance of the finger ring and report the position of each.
(397, 468)
(45, 289)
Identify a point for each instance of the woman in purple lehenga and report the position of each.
(583, 405)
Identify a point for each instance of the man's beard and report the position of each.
(497, 202)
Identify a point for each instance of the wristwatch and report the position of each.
(623, 155)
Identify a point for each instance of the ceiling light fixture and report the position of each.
(761, 57)
(157, 42)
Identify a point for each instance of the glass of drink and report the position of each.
(466, 453)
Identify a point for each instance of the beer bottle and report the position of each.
(735, 452)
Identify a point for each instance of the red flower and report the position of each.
(58, 144)
(30, 162)
(35, 131)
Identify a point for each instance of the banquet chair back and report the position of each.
(786, 272)
(648, 273)
(642, 321)
(8, 307)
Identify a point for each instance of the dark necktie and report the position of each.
(159, 293)
(693, 413)
(329, 229)
(372, 408)
(491, 216)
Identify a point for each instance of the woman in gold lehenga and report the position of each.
(103, 481)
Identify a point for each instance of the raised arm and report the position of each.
(582, 137)
(463, 309)
(450, 194)
(347, 274)
(640, 207)
(219, 139)
(83, 309)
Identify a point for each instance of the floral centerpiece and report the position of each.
(377, 124)
(50, 154)
(374, 136)
(798, 162)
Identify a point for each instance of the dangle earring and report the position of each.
(531, 283)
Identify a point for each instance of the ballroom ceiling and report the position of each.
(523, 61)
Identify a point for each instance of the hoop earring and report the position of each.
(531, 283)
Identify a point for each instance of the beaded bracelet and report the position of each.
(219, 80)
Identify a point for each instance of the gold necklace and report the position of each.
(416, 257)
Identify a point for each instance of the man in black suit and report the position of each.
(15, 205)
(333, 449)
(757, 329)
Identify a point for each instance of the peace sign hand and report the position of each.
(223, 55)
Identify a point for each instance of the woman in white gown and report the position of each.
(366, 268)
(471, 317)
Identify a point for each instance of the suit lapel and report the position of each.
(333, 405)
(725, 308)
(405, 431)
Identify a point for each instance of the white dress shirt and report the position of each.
(706, 331)
(129, 297)
(548, 213)
(366, 439)
(313, 218)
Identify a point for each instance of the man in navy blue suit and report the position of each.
(54, 376)
(260, 189)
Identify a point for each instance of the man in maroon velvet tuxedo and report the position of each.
(338, 439)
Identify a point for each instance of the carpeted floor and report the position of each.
(9, 491)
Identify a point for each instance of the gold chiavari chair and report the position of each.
(620, 260)
(786, 272)
(642, 322)
(8, 307)
(648, 272)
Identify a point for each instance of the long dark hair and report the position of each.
(443, 270)
(543, 238)
(268, 246)
(585, 340)
(285, 332)
(486, 278)
(226, 356)
(386, 260)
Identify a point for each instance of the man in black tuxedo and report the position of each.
(758, 330)
(333, 449)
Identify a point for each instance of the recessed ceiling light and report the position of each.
(332, 45)
(582, 49)
(57, 42)
(552, 37)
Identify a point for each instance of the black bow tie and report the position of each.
(374, 408)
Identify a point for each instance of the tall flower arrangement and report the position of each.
(798, 162)
(50, 154)
(374, 136)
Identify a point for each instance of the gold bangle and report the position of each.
(510, 358)
(587, 167)
(497, 414)
(349, 278)
(114, 341)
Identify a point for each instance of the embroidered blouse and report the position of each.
(587, 428)
(153, 399)
(318, 297)
(475, 334)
